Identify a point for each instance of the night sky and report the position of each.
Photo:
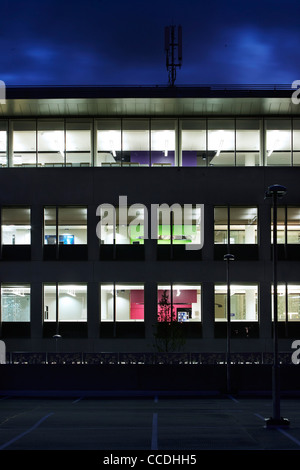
(103, 42)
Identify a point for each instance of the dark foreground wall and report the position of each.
(143, 378)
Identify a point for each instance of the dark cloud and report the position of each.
(121, 42)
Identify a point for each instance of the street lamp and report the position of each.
(228, 257)
(276, 191)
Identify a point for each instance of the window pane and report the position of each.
(243, 302)
(185, 300)
(280, 225)
(193, 143)
(163, 142)
(49, 302)
(121, 227)
(51, 143)
(221, 227)
(221, 142)
(24, 143)
(293, 225)
(123, 303)
(109, 142)
(107, 302)
(16, 228)
(179, 224)
(50, 225)
(296, 142)
(3, 143)
(278, 142)
(243, 225)
(72, 225)
(248, 142)
(78, 144)
(72, 302)
(129, 302)
(293, 302)
(15, 302)
(136, 142)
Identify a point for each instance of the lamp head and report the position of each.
(228, 257)
(277, 189)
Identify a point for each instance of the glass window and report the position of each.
(24, 143)
(72, 302)
(221, 225)
(50, 225)
(16, 226)
(221, 140)
(278, 142)
(243, 225)
(78, 143)
(121, 226)
(51, 143)
(122, 302)
(288, 302)
(296, 142)
(293, 225)
(193, 143)
(243, 302)
(15, 302)
(109, 142)
(135, 142)
(163, 142)
(248, 142)
(3, 143)
(281, 225)
(182, 299)
(72, 225)
(179, 225)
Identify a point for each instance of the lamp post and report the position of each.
(228, 257)
(275, 192)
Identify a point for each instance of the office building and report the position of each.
(72, 156)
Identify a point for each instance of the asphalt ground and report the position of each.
(151, 424)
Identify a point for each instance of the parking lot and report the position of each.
(147, 423)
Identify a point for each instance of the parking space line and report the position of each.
(3, 446)
(154, 432)
(289, 436)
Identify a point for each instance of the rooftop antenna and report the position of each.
(173, 41)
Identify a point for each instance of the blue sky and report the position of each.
(103, 42)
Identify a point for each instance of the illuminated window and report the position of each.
(278, 142)
(179, 225)
(221, 142)
(288, 302)
(69, 224)
(163, 139)
(179, 302)
(15, 302)
(121, 226)
(24, 143)
(78, 143)
(240, 222)
(193, 143)
(65, 302)
(51, 143)
(16, 226)
(122, 302)
(243, 302)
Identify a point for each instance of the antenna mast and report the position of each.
(173, 41)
